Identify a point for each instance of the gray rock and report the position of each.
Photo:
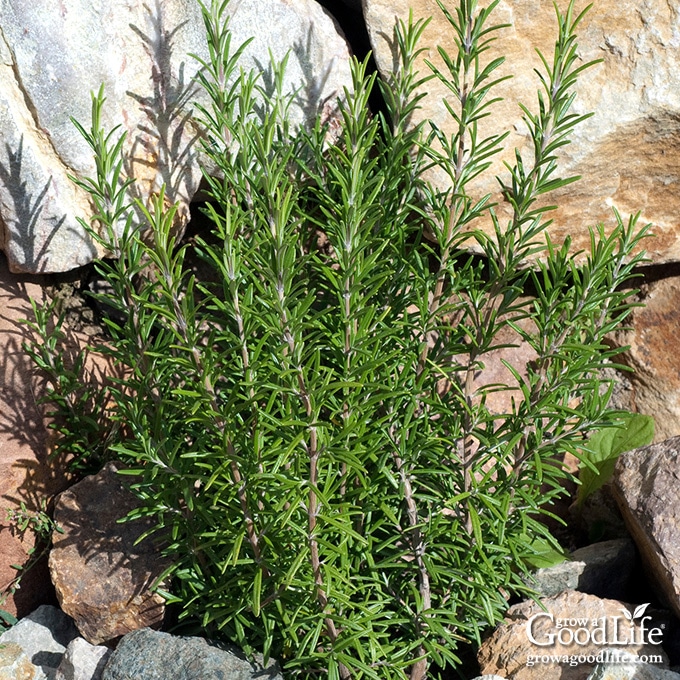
(603, 569)
(608, 569)
(146, 654)
(550, 581)
(631, 671)
(83, 661)
(52, 55)
(14, 664)
(645, 485)
(44, 636)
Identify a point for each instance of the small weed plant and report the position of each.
(40, 523)
(305, 424)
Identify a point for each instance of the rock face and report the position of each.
(627, 152)
(52, 55)
(511, 652)
(651, 341)
(645, 485)
(147, 655)
(608, 568)
(103, 580)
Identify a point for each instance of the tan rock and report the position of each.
(654, 383)
(645, 485)
(102, 577)
(511, 653)
(626, 153)
(513, 350)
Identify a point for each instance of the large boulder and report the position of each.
(627, 152)
(52, 55)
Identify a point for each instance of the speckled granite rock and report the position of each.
(148, 655)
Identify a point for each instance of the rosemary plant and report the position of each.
(304, 424)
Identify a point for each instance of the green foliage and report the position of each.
(304, 423)
(7, 620)
(598, 459)
(76, 404)
(546, 553)
(37, 521)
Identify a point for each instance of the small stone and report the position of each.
(631, 671)
(146, 654)
(645, 485)
(102, 576)
(609, 567)
(83, 661)
(14, 664)
(43, 636)
(603, 569)
(550, 581)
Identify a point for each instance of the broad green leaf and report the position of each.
(546, 555)
(7, 619)
(605, 447)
